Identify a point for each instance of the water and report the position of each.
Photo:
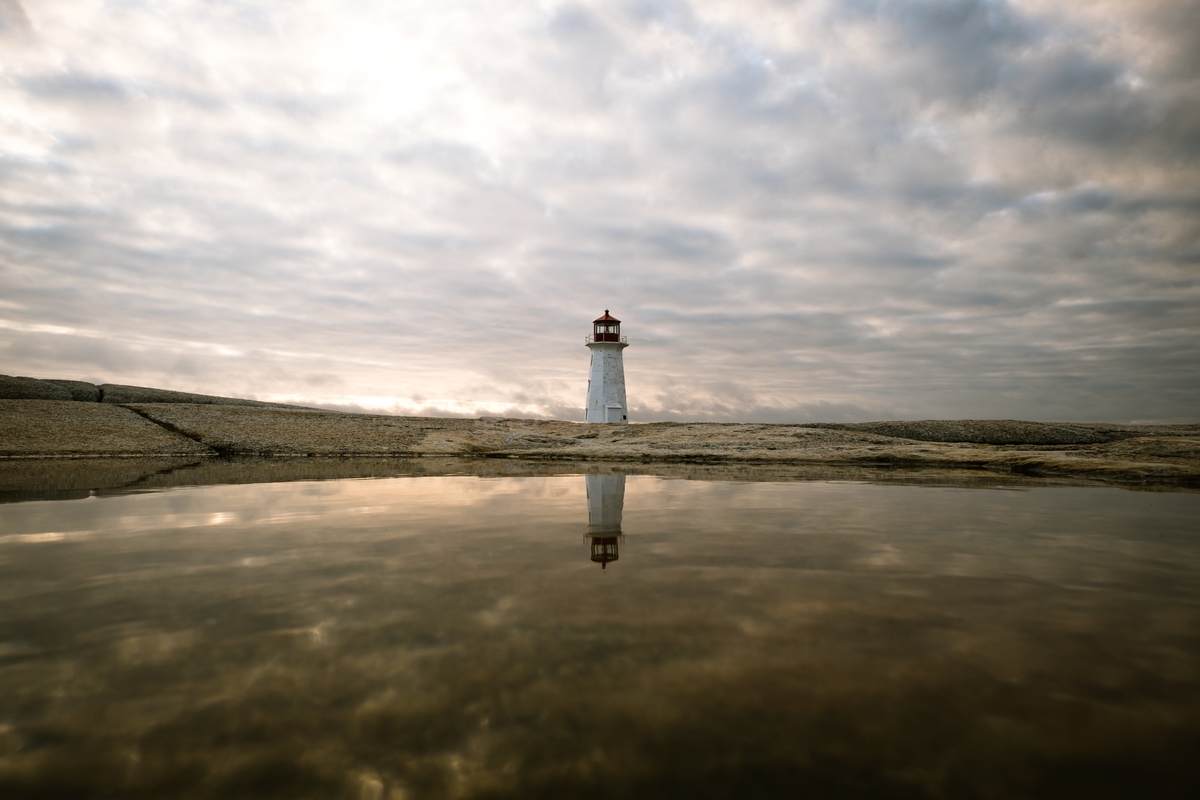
(453, 637)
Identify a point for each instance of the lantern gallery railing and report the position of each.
(605, 337)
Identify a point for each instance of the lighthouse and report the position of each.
(606, 382)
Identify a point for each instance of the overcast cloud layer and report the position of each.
(800, 210)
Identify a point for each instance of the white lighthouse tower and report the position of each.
(606, 382)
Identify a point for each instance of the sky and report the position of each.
(801, 211)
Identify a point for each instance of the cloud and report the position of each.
(13, 17)
(893, 209)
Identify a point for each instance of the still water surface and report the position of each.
(453, 637)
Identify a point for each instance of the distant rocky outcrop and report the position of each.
(82, 391)
(18, 388)
(991, 431)
(21, 388)
(121, 395)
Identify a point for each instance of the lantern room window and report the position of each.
(606, 329)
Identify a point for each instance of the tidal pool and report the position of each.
(600, 636)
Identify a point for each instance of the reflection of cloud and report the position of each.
(888, 208)
(451, 642)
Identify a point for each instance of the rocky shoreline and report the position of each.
(199, 431)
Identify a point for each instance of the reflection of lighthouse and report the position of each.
(606, 499)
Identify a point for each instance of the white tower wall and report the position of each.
(606, 384)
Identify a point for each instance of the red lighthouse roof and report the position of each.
(607, 318)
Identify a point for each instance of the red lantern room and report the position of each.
(606, 329)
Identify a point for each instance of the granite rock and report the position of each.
(1168, 454)
(118, 394)
(989, 431)
(1146, 455)
(68, 428)
(81, 391)
(18, 388)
